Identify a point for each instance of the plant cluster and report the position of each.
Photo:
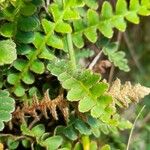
(47, 98)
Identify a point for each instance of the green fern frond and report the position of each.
(38, 132)
(86, 88)
(107, 20)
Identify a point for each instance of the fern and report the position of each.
(107, 20)
(43, 106)
(85, 88)
(127, 93)
(92, 94)
(55, 30)
(116, 57)
(39, 40)
(38, 132)
(22, 26)
(51, 39)
(90, 126)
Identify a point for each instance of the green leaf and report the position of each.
(104, 101)
(25, 130)
(12, 78)
(143, 11)
(53, 142)
(117, 57)
(12, 144)
(7, 52)
(84, 53)
(73, 3)
(19, 64)
(82, 127)
(26, 143)
(25, 37)
(77, 36)
(19, 91)
(28, 78)
(98, 89)
(5, 116)
(6, 108)
(121, 7)
(134, 5)
(7, 29)
(47, 54)
(92, 4)
(92, 17)
(106, 147)
(56, 11)
(63, 27)
(70, 133)
(78, 40)
(96, 132)
(37, 40)
(119, 23)
(38, 130)
(106, 12)
(106, 29)
(38, 67)
(133, 17)
(89, 78)
(79, 25)
(91, 34)
(104, 128)
(55, 41)
(86, 104)
(27, 24)
(75, 94)
(28, 9)
(33, 91)
(24, 49)
(94, 123)
(48, 26)
(70, 14)
(97, 111)
(124, 124)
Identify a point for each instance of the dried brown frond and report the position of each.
(127, 92)
(44, 106)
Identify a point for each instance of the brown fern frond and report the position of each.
(127, 92)
(44, 106)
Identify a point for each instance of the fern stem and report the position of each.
(131, 132)
(71, 51)
(85, 142)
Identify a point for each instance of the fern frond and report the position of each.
(44, 105)
(39, 134)
(86, 88)
(107, 20)
(127, 92)
(63, 16)
(41, 43)
(91, 126)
